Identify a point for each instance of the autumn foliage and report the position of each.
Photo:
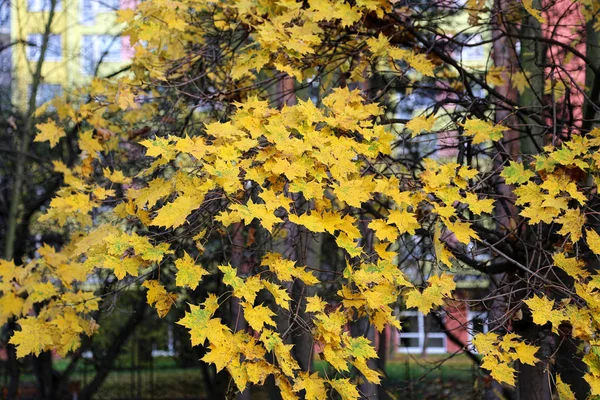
(159, 178)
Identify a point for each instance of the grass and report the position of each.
(410, 377)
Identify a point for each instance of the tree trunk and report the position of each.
(24, 142)
(108, 360)
(12, 365)
(535, 382)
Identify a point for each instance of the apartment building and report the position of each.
(85, 41)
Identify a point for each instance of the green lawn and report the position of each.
(410, 377)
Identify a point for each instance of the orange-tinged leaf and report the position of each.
(158, 297)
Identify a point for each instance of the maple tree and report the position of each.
(198, 167)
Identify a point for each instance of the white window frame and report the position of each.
(38, 98)
(42, 5)
(98, 51)
(421, 336)
(37, 39)
(98, 7)
(471, 315)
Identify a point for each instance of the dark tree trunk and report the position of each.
(113, 352)
(13, 366)
(46, 376)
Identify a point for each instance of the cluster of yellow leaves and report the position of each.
(333, 157)
(499, 352)
(318, 153)
(551, 190)
(65, 314)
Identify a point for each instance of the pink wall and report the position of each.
(456, 320)
(127, 50)
(565, 24)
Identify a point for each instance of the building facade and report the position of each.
(85, 41)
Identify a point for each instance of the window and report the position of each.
(91, 8)
(53, 51)
(98, 49)
(42, 5)
(421, 332)
(45, 93)
(474, 50)
(5, 17)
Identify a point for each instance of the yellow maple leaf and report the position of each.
(88, 143)
(221, 356)
(519, 80)
(525, 353)
(313, 385)
(572, 222)
(542, 311)
(515, 172)
(345, 388)
(405, 221)
(175, 214)
(593, 240)
(258, 316)
(49, 132)
(10, 305)
(200, 322)
(571, 265)
(34, 337)
(355, 191)
(564, 390)
(494, 75)
(369, 374)
(383, 231)
(158, 297)
(115, 176)
(439, 288)
(281, 296)
(462, 230)
(315, 304)
(125, 98)
(486, 343)
(442, 254)
(188, 273)
(483, 130)
(421, 123)
(258, 371)
(500, 371)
